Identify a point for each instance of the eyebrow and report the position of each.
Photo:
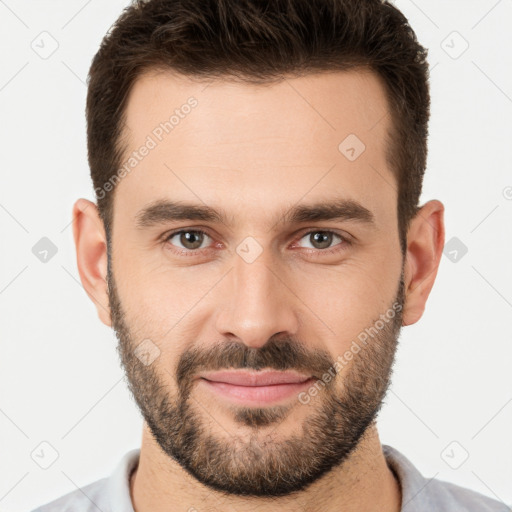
(162, 211)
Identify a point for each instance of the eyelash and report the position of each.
(345, 241)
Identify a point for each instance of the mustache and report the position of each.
(283, 354)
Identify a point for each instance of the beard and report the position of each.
(260, 464)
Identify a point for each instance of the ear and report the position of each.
(91, 255)
(425, 242)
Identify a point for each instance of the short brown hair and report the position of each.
(261, 41)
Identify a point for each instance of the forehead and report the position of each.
(312, 135)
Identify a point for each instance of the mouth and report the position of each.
(256, 388)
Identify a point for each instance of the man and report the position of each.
(257, 246)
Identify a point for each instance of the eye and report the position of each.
(188, 239)
(189, 242)
(322, 240)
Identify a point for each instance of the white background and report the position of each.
(60, 379)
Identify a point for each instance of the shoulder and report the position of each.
(421, 494)
(111, 494)
(465, 500)
(89, 498)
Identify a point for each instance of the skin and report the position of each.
(276, 146)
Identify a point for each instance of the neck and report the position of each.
(363, 482)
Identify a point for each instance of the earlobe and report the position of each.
(91, 254)
(425, 242)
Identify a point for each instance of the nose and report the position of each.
(258, 302)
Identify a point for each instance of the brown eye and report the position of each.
(190, 240)
(321, 239)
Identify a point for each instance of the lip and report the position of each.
(256, 388)
(260, 378)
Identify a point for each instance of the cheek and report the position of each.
(349, 298)
(162, 304)
(152, 289)
(167, 304)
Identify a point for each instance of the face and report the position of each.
(252, 238)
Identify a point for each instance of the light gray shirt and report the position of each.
(419, 494)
